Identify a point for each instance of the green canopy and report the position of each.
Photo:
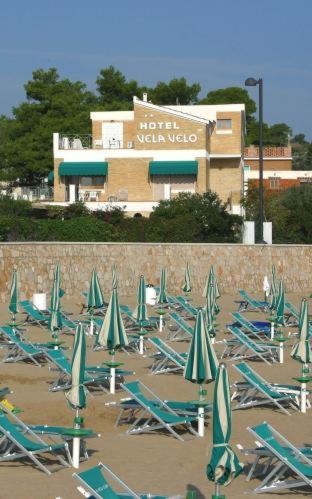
(302, 349)
(140, 312)
(280, 304)
(173, 167)
(210, 310)
(162, 297)
(55, 319)
(13, 306)
(112, 333)
(273, 289)
(57, 277)
(114, 278)
(95, 297)
(187, 286)
(83, 169)
(76, 396)
(202, 363)
(212, 281)
(224, 465)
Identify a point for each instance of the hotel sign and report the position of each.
(156, 132)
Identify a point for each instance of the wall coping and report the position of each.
(79, 243)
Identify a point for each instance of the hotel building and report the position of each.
(137, 158)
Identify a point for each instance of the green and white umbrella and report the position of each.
(302, 350)
(57, 277)
(76, 396)
(210, 310)
(55, 318)
(112, 334)
(212, 281)
(187, 286)
(114, 277)
(273, 289)
(162, 297)
(280, 304)
(202, 363)
(13, 306)
(95, 297)
(224, 465)
(140, 312)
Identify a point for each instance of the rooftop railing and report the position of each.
(87, 141)
(268, 152)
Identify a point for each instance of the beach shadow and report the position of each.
(190, 488)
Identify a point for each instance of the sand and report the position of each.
(147, 463)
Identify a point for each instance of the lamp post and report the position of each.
(252, 82)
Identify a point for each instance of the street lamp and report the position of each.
(252, 82)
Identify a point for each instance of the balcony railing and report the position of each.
(268, 152)
(87, 141)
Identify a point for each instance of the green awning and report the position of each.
(51, 177)
(173, 167)
(83, 169)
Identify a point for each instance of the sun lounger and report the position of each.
(243, 347)
(166, 360)
(129, 407)
(291, 467)
(152, 418)
(257, 391)
(184, 330)
(95, 481)
(250, 304)
(186, 306)
(256, 328)
(19, 350)
(33, 315)
(15, 445)
(62, 365)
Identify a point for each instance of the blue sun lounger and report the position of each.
(256, 328)
(18, 350)
(184, 330)
(166, 360)
(95, 482)
(243, 347)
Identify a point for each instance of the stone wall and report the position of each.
(237, 266)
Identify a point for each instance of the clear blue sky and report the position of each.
(218, 44)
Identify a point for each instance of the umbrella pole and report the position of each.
(201, 412)
(216, 495)
(76, 442)
(272, 330)
(141, 347)
(91, 330)
(161, 321)
(113, 377)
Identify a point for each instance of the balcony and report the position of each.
(268, 152)
(79, 142)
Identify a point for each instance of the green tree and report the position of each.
(177, 91)
(26, 154)
(115, 92)
(232, 95)
(201, 217)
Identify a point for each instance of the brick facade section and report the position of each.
(228, 143)
(237, 266)
(225, 178)
(270, 164)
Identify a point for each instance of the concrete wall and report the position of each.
(237, 266)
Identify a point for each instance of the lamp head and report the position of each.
(251, 82)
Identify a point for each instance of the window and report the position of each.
(92, 181)
(274, 182)
(224, 124)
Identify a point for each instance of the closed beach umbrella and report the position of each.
(76, 396)
(162, 297)
(140, 312)
(13, 306)
(224, 465)
(202, 363)
(187, 286)
(57, 277)
(210, 309)
(55, 318)
(302, 350)
(280, 304)
(212, 281)
(112, 333)
(114, 277)
(273, 289)
(95, 297)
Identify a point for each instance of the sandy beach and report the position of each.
(156, 463)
